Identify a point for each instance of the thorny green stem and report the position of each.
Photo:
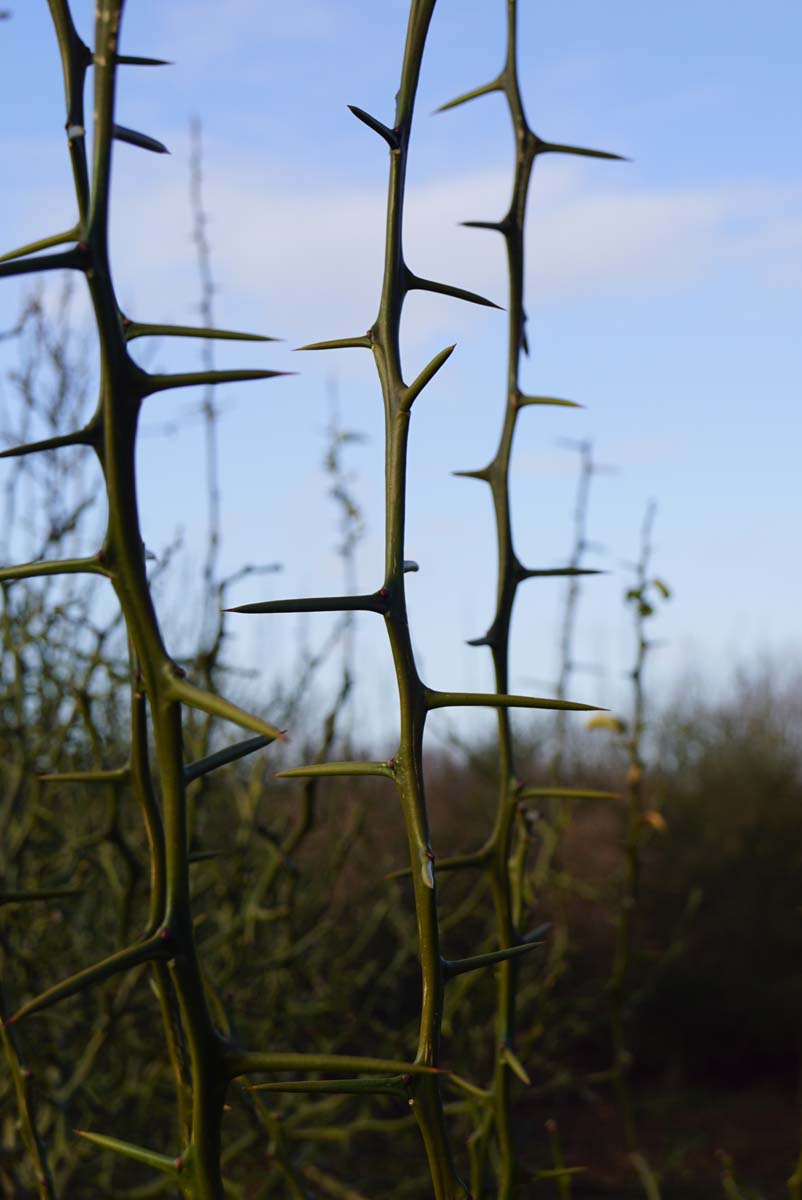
(112, 433)
(617, 984)
(505, 861)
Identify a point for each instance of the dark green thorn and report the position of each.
(155, 947)
(556, 572)
(56, 239)
(136, 60)
(541, 147)
(415, 283)
(374, 602)
(68, 260)
(134, 138)
(390, 135)
(502, 227)
(222, 758)
(460, 966)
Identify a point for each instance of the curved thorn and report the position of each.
(390, 135)
(123, 960)
(486, 639)
(364, 342)
(374, 602)
(496, 85)
(558, 148)
(411, 393)
(216, 706)
(522, 401)
(137, 329)
(436, 699)
(57, 239)
(460, 966)
(134, 138)
(336, 769)
(414, 283)
(204, 766)
(410, 566)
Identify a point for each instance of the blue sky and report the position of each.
(664, 294)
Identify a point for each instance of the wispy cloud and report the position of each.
(312, 253)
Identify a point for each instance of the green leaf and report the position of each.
(662, 588)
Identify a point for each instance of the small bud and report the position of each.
(551, 1127)
(178, 1163)
(405, 1079)
(165, 935)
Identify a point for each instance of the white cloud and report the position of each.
(308, 255)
